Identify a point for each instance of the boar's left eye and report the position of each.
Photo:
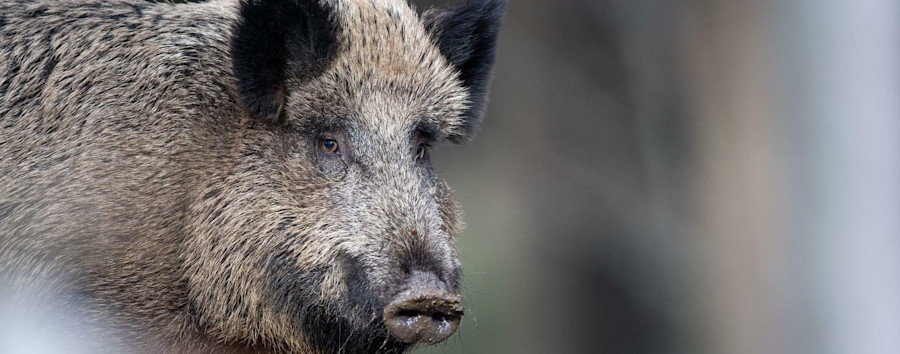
(330, 145)
(420, 151)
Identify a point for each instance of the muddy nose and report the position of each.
(425, 312)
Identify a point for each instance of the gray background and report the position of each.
(676, 176)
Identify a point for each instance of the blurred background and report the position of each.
(678, 176)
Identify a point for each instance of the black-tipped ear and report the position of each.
(467, 37)
(275, 40)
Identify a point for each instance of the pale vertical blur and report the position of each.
(843, 62)
(677, 176)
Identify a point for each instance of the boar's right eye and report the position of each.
(329, 145)
(330, 155)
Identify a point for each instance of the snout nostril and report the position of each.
(437, 317)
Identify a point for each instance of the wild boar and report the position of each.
(247, 176)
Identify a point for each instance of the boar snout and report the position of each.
(425, 312)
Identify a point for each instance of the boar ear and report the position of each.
(275, 41)
(467, 37)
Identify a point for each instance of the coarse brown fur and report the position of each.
(143, 187)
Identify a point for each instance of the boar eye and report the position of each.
(330, 145)
(420, 151)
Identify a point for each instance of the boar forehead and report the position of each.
(387, 69)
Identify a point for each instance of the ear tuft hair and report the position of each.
(277, 40)
(467, 37)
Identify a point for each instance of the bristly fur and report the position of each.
(467, 36)
(161, 168)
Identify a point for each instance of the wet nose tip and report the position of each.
(425, 312)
